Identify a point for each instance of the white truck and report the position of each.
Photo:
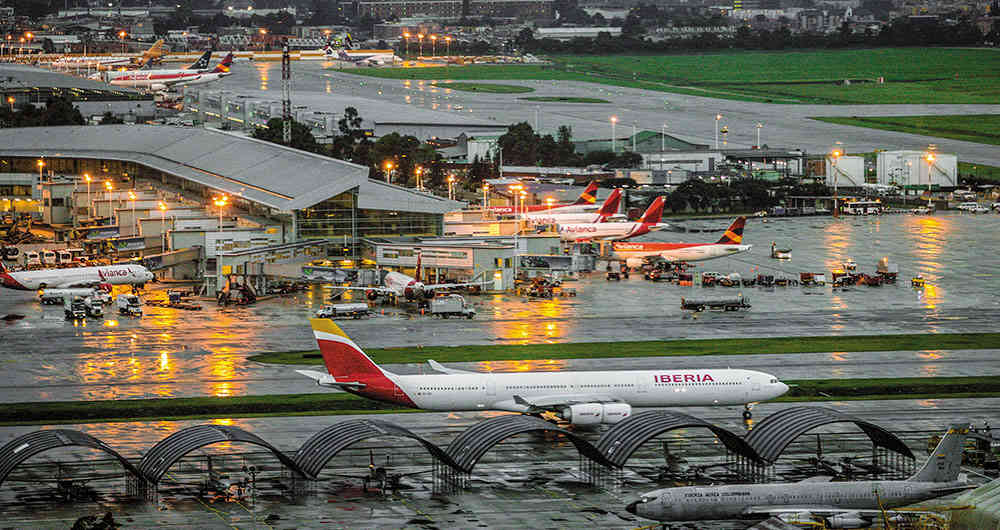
(129, 304)
(94, 307)
(55, 296)
(356, 310)
(451, 305)
(75, 308)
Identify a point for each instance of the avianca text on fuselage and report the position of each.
(75, 277)
(730, 243)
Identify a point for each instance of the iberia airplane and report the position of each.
(633, 254)
(582, 398)
(649, 222)
(607, 211)
(74, 277)
(587, 202)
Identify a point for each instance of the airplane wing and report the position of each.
(794, 513)
(553, 402)
(327, 380)
(436, 286)
(437, 367)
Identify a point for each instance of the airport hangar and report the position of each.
(289, 205)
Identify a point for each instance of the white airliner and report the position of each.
(200, 66)
(608, 211)
(586, 202)
(154, 81)
(582, 398)
(101, 62)
(633, 254)
(74, 277)
(408, 287)
(649, 222)
(363, 57)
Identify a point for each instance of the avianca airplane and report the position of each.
(201, 65)
(633, 254)
(582, 398)
(649, 222)
(154, 81)
(587, 202)
(609, 210)
(76, 277)
(154, 52)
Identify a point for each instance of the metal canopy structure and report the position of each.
(623, 439)
(24, 447)
(326, 444)
(168, 451)
(475, 441)
(773, 434)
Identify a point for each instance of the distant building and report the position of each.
(572, 33)
(382, 9)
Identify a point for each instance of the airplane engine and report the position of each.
(848, 520)
(615, 412)
(583, 414)
(157, 86)
(634, 263)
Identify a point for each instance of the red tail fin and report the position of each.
(343, 358)
(223, 66)
(610, 206)
(589, 195)
(655, 211)
(417, 275)
(734, 234)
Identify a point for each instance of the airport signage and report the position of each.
(128, 244)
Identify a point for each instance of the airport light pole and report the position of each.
(536, 118)
(388, 172)
(420, 40)
(135, 222)
(549, 201)
(717, 118)
(663, 138)
(447, 43)
(419, 170)
(434, 41)
(121, 35)
(108, 186)
(163, 225)
(221, 203)
(41, 164)
(406, 39)
(634, 124)
(451, 187)
(759, 127)
(90, 204)
(10, 100)
(834, 156)
(614, 121)
(930, 165)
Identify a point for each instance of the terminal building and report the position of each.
(164, 182)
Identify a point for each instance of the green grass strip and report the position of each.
(335, 403)
(667, 348)
(981, 128)
(564, 99)
(490, 88)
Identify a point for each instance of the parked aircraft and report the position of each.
(153, 81)
(365, 58)
(650, 221)
(633, 254)
(837, 504)
(586, 202)
(75, 277)
(608, 211)
(102, 62)
(582, 398)
(407, 287)
(201, 65)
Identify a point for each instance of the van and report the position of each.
(129, 304)
(967, 206)
(48, 257)
(32, 258)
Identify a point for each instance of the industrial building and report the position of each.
(916, 170)
(275, 195)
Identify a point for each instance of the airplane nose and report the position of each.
(783, 388)
(631, 508)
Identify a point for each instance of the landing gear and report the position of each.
(747, 415)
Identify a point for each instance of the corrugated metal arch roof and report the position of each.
(264, 172)
(24, 447)
(619, 442)
(326, 444)
(773, 434)
(475, 441)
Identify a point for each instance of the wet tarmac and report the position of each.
(170, 352)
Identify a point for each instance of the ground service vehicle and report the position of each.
(451, 305)
(356, 310)
(74, 308)
(129, 304)
(94, 307)
(55, 296)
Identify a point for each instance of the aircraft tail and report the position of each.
(224, 65)
(202, 62)
(654, 213)
(945, 462)
(610, 206)
(416, 276)
(343, 55)
(155, 51)
(734, 234)
(589, 195)
(343, 358)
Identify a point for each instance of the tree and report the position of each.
(351, 144)
(519, 145)
(302, 137)
(110, 119)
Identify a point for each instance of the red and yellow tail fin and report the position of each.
(223, 66)
(734, 234)
(610, 206)
(589, 195)
(343, 358)
(655, 211)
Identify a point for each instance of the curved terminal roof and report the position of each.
(619, 442)
(273, 175)
(20, 76)
(773, 434)
(326, 444)
(24, 447)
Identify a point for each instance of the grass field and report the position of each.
(564, 99)
(598, 350)
(912, 75)
(980, 170)
(332, 404)
(490, 88)
(981, 128)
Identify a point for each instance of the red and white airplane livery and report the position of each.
(633, 254)
(650, 221)
(407, 287)
(607, 211)
(74, 277)
(582, 398)
(587, 202)
(154, 81)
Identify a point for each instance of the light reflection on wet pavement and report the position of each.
(178, 353)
